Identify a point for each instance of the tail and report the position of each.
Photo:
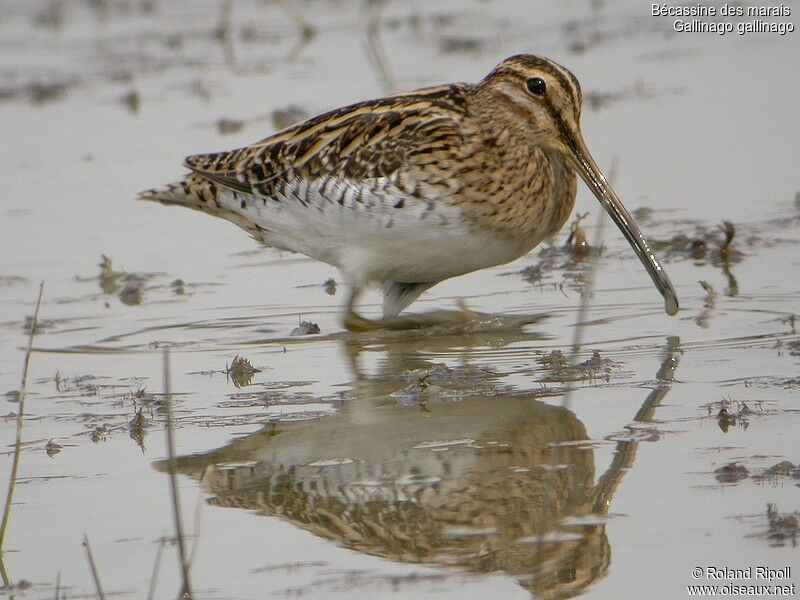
(198, 193)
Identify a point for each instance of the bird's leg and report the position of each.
(356, 323)
(352, 320)
(467, 314)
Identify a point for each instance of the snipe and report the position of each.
(409, 190)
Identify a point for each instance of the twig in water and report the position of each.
(375, 50)
(93, 567)
(224, 34)
(577, 342)
(156, 566)
(186, 592)
(307, 30)
(580, 325)
(6, 580)
(18, 445)
(196, 541)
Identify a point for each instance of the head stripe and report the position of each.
(515, 65)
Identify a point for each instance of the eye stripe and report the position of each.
(562, 77)
(565, 79)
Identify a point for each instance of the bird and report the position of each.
(411, 189)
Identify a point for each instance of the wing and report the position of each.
(405, 140)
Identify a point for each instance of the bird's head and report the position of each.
(542, 100)
(539, 95)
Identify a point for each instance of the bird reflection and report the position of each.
(483, 479)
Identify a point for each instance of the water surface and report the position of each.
(447, 463)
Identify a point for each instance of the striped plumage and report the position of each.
(408, 190)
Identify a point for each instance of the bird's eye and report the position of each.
(536, 86)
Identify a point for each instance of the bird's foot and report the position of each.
(357, 324)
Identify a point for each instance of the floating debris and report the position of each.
(141, 397)
(82, 384)
(41, 93)
(725, 420)
(41, 324)
(414, 393)
(178, 287)
(305, 328)
(782, 470)
(451, 45)
(99, 433)
(52, 448)
(173, 41)
(728, 233)
(290, 567)
(109, 278)
(136, 427)
(532, 274)
(597, 366)
(642, 214)
(330, 287)
(558, 368)
(442, 373)
(9, 280)
(715, 245)
(731, 413)
(131, 294)
(731, 473)
(229, 126)
(241, 371)
(709, 304)
(199, 88)
(132, 101)
(782, 526)
(577, 243)
(286, 117)
(51, 16)
(785, 468)
(554, 360)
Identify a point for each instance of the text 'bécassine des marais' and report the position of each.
(757, 13)
(726, 10)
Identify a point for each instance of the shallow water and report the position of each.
(460, 461)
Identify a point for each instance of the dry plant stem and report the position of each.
(186, 592)
(224, 34)
(156, 566)
(18, 446)
(196, 536)
(375, 50)
(93, 567)
(303, 24)
(58, 583)
(580, 325)
(6, 580)
(583, 310)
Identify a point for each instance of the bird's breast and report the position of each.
(527, 197)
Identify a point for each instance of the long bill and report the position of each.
(594, 178)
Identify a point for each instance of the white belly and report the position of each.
(373, 239)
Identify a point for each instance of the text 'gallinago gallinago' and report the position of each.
(409, 190)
